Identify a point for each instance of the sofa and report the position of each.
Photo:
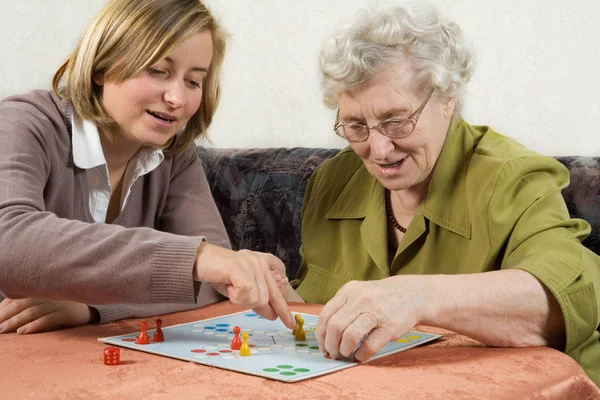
(259, 195)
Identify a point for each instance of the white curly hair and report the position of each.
(376, 38)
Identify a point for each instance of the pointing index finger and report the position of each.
(279, 304)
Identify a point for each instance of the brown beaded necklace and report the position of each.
(390, 214)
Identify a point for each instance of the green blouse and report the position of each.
(491, 204)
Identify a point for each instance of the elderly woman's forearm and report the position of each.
(507, 308)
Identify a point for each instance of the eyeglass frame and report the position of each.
(412, 118)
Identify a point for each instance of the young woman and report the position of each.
(102, 198)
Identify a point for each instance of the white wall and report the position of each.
(537, 62)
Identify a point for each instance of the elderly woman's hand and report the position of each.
(371, 314)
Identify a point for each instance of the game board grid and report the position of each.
(289, 361)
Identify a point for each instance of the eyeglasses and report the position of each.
(395, 128)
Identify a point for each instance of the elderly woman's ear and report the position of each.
(449, 105)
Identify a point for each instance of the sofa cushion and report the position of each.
(259, 194)
(583, 194)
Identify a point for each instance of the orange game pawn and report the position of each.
(158, 333)
(245, 349)
(236, 343)
(143, 336)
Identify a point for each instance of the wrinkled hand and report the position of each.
(250, 279)
(30, 315)
(384, 310)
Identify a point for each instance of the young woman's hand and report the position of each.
(277, 269)
(250, 279)
(30, 315)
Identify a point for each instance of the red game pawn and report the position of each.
(112, 356)
(143, 336)
(158, 333)
(236, 343)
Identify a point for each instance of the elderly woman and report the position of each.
(425, 219)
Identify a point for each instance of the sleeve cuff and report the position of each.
(172, 271)
(110, 313)
(575, 296)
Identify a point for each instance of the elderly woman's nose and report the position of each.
(380, 145)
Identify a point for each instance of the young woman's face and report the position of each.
(153, 106)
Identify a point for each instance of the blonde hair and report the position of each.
(376, 39)
(128, 36)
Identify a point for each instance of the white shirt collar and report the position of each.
(88, 155)
(87, 150)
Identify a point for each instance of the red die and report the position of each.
(112, 356)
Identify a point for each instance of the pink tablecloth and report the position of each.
(68, 364)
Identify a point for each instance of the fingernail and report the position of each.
(22, 330)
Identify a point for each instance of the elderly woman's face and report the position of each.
(397, 163)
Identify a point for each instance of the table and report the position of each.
(68, 364)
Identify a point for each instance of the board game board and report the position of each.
(274, 352)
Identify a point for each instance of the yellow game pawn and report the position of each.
(245, 349)
(300, 334)
(297, 317)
